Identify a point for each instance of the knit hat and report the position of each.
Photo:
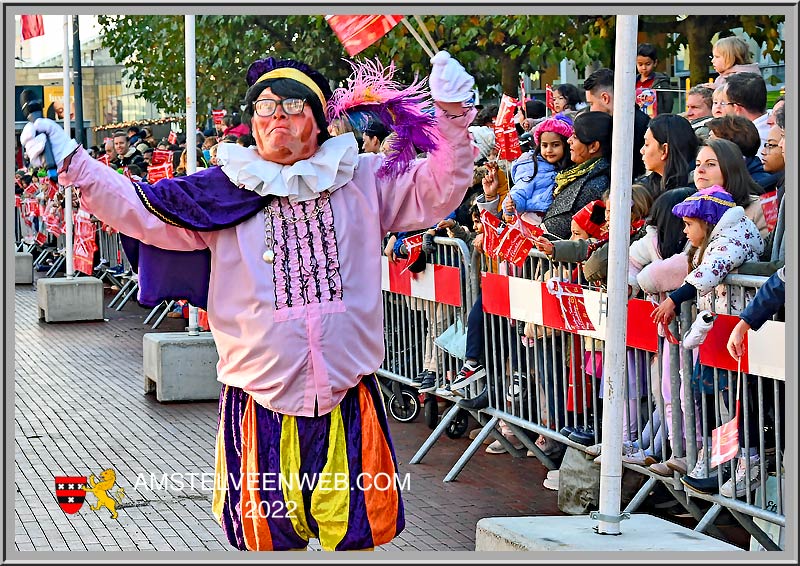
(592, 218)
(708, 205)
(555, 124)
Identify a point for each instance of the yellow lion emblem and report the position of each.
(100, 489)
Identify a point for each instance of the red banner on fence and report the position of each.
(769, 204)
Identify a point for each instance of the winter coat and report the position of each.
(768, 301)
(583, 190)
(651, 273)
(734, 240)
(746, 68)
(532, 190)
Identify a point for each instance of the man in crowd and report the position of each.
(599, 87)
(747, 96)
(698, 109)
(126, 155)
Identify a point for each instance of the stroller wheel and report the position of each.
(431, 411)
(404, 408)
(458, 426)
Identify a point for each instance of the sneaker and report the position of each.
(551, 483)
(700, 471)
(428, 245)
(740, 477)
(469, 373)
(428, 383)
(417, 380)
(552, 474)
(497, 448)
(516, 389)
(638, 457)
(699, 330)
(547, 445)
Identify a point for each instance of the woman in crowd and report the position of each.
(670, 146)
(590, 151)
(720, 162)
(744, 134)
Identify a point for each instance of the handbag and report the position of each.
(453, 340)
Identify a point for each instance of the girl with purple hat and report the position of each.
(721, 238)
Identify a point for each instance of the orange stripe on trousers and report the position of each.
(381, 504)
(254, 525)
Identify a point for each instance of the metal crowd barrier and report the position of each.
(552, 379)
(417, 309)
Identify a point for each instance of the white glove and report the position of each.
(449, 82)
(35, 134)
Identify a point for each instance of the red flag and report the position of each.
(523, 96)
(573, 307)
(505, 134)
(769, 204)
(218, 115)
(548, 98)
(32, 26)
(359, 32)
(173, 137)
(414, 247)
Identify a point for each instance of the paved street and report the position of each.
(80, 409)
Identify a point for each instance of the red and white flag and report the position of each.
(359, 32)
(32, 26)
(414, 246)
(218, 115)
(548, 98)
(573, 307)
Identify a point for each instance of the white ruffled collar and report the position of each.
(330, 168)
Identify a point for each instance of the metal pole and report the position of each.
(78, 82)
(68, 237)
(191, 130)
(619, 239)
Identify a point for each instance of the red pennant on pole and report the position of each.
(359, 32)
(414, 247)
(32, 26)
(548, 98)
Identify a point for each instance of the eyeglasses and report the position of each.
(265, 107)
(720, 103)
(770, 146)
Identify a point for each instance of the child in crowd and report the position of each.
(721, 238)
(729, 56)
(649, 79)
(534, 173)
(657, 265)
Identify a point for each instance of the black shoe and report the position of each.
(428, 383)
(567, 430)
(417, 380)
(583, 436)
(709, 486)
(481, 401)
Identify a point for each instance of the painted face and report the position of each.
(578, 233)
(771, 153)
(654, 154)
(696, 107)
(579, 151)
(717, 61)
(645, 66)
(285, 138)
(551, 146)
(695, 230)
(706, 169)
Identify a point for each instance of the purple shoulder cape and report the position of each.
(204, 201)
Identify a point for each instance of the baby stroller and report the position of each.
(403, 402)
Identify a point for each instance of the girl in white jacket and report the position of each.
(722, 238)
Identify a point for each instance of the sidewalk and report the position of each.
(80, 409)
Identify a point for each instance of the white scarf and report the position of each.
(330, 168)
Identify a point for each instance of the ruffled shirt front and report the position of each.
(330, 168)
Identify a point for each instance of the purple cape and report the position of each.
(204, 201)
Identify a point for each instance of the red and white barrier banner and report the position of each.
(438, 283)
(530, 301)
(764, 350)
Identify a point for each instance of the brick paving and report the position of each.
(80, 408)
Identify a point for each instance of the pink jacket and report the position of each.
(275, 337)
